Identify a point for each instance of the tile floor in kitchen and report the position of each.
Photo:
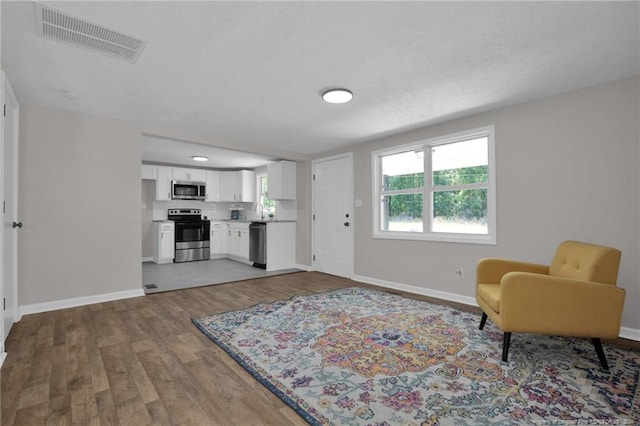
(176, 276)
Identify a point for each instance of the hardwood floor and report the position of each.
(141, 361)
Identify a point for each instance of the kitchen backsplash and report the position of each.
(285, 210)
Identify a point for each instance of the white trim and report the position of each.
(427, 235)
(348, 155)
(630, 333)
(239, 259)
(625, 332)
(305, 268)
(147, 259)
(36, 308)
(9, 99)
(2, 228)
(3, 356)
(444, 295)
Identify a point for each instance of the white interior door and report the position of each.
(10, 220)
(332, 184)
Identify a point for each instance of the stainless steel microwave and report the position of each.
(186, 190)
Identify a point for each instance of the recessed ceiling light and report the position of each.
(337, 96)
(199, 158)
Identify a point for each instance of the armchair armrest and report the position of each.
(534, 303)
(491, 270)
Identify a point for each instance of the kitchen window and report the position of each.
(456, 200)
(262, 186)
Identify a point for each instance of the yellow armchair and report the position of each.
(576, 295)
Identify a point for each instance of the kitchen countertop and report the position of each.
(250, 221)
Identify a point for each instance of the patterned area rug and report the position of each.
(363, 357)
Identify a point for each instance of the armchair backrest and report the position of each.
(584, 261)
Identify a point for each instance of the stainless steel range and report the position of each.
(192, 235)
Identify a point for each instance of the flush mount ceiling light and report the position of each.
(199, 158)
(337, 96)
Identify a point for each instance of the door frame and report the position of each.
(13, 302)
(349, 156)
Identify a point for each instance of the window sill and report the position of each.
(436, 237)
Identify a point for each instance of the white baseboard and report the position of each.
(240, 259)
(625, 332)
(3, 356)
(147, 259)
(306, 268)
(630, 333)
(36, 308)
(452, 297)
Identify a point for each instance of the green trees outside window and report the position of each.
(441, 187)
(467, 204)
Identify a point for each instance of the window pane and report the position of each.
(402, 213)
(463, 211)
(461, 162)
(403, 171)
(268, 205)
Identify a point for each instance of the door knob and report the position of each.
(346, 224)
(16, 225)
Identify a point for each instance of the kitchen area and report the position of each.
(203, 226)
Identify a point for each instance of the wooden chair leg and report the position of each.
(483, 320)
(603, 360)
(506, 341)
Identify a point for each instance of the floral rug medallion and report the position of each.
(395, 343)
(363, 357)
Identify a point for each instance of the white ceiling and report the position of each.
(250, 74)
(170, 151)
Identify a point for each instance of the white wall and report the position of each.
(567, 168)
(80, 199)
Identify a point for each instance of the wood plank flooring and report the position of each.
(141, 361)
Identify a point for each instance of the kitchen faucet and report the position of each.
(261, 210)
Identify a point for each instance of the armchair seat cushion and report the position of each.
(490, 294)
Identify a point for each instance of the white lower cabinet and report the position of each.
(238, 241)
(163, 241)
(281, 245)
(218, 243)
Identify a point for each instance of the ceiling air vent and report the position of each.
(58, 25)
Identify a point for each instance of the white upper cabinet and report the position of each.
(238, 186)
(194, 175)
(281, 180)
(163, 183)
(247, 186)
(228, 186)
(148, 172)
(212, 180)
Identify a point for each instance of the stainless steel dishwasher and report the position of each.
(258, 244)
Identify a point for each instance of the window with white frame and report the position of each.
(439, 189)
(262, 187)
